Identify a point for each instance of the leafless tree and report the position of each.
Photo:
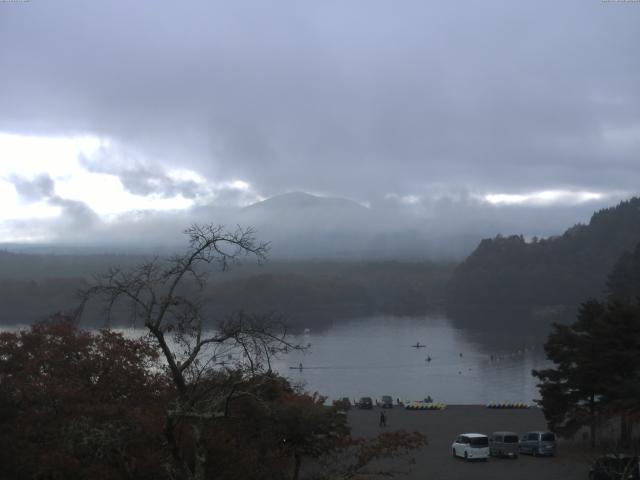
(161, 297)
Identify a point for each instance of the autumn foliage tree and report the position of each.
(77, 405)
(93, 405)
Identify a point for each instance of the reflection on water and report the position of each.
(374, 357)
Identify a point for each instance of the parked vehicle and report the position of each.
(615, 467)
(471, 446)
(503, 444)
(386, 401)
(365, 403)
(538, 443)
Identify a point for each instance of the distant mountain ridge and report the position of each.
(302, 200)
(302, 225)
(562, 270)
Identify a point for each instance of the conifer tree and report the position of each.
(596, 375)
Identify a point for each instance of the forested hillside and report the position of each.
(560, 270)
(306, 292)
(623, 284)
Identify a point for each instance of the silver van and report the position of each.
(538, 443)
(503, 444)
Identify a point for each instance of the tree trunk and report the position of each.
(592, 422)
(169, 433)
(200, 453)
(296, 467)
(625, 431)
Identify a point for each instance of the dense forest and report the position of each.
(32, 286)
(561, 270)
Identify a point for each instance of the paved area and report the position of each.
(435, 462)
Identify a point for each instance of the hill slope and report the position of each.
(559, 270)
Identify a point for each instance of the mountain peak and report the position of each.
(301, 200)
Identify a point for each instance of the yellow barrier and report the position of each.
(425, 406)
(507, 405)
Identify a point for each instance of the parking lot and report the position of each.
(435, 462)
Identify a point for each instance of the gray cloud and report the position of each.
(136, 176)
(75, 214)
(76, 220)
(33, 190)
(358, 99)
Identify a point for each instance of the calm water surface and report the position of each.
(374, 357)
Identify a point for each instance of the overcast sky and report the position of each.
(114, 107)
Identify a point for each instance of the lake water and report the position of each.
(374, 357)
(473, 360)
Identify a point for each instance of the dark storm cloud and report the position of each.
(360, 99)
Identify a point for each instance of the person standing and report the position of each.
(383, 419)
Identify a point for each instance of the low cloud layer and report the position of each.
(415, 108)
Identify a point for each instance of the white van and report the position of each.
(471, 446)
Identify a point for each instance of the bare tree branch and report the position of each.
(163, 295)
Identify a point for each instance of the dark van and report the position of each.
(386, 401)
(365, 403)
(538, 443)
(503, 444)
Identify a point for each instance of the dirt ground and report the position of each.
(434, 462)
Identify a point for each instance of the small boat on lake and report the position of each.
(419, 345)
